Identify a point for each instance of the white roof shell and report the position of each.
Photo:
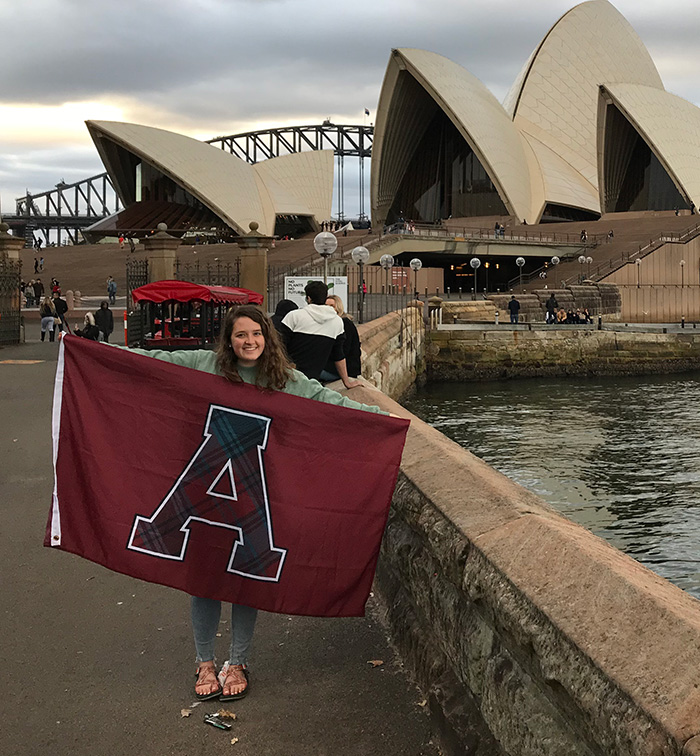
(555, 98)
(473, 110)
(670, 126)
(300, 183)
(234, 190)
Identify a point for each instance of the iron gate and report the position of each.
(10, 300)
(209, 274)
(136, 275)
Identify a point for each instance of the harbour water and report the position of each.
(616, 455)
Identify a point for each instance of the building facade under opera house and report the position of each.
(586, 129)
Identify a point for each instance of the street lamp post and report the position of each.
(520, 261)
(682, 285)
(416, 265)
(387, 262)
(325, 244)
(582, 262)
(555, 261)
(475, 263)
(360, 255)
(589, 260)
(486, 271)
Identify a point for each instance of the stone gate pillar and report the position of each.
(161, 250)
(9, 245)
(254, 248)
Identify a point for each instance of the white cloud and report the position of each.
(213, 67)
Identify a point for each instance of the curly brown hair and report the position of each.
(274, 367)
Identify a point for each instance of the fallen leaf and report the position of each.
(234, 741)
(375, 662)
(423, 702)
(185, 712)
(225, 714)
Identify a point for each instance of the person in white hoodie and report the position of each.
(315, 334)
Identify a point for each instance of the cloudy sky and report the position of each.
(215, 67)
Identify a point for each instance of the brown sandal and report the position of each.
(206, 676)
(235, 674)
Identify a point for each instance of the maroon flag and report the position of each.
(178, 477)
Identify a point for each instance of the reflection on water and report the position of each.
(617, 455)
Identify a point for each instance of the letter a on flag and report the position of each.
(178, 477)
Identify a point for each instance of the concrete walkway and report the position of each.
(95, 663)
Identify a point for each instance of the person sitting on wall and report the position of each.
(89, 329)
(283, 307)
(351, 345)
(314, 334)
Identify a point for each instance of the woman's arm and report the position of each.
(300, 385)
(198, 359)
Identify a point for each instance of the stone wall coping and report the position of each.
(638, 629)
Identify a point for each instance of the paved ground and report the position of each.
(92, 662)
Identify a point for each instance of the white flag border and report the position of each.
(55, 434)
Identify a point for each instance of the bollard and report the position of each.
(126, 340)
(496, 318)
(460, 292)
(600, 322)
(682, 322)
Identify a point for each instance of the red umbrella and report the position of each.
(186, 291)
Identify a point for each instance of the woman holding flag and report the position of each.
(249, 351)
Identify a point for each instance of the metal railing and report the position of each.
(609, 266)
(403, 230)
(211, 274)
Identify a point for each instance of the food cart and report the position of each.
(182, 314)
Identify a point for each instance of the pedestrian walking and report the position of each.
(48, 316)
(61, 307)
(112, 290)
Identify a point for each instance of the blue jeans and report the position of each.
(326, 376)
(205, 622)
(514, 317)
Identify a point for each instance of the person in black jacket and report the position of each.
(61, 307)
(104, 320)
(514, 308)
(283, 307)
(351, 345)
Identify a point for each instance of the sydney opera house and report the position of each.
(587, 129)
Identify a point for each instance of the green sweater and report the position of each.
(298, 385)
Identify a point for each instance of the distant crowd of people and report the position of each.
(553, 313)
(556, 314)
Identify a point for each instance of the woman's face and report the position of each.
(331, 303)
(247, 341)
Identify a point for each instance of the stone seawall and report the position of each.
(528, 635)
(459, 354)
(393, 350)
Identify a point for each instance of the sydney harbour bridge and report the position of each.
(59, 215)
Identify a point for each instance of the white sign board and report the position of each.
(294, 288)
